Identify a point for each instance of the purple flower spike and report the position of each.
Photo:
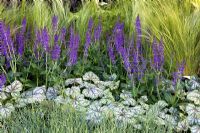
(158, 55)
(111, 51)
(97, 32)
(20, 38)
(54, 23)
(2, 80)
(62, 35)
(73, 48)
(139, 34)
(177, 75)
(88, 37)
(55, 53)
(45, 40)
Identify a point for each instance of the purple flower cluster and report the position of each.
(73, 48)
(111, 51)
(177, 75)
(88, 37)
(20, 39)
(6, 44)
(45, 40)
(63, 35)
(158, 55)
(55, 23)
(2, 80)
(97, 31)
(55, 53)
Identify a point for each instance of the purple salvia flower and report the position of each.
(38, 40)
(54, 23)
(2, 80)
(97, 32)
(88, 37)
(111, 52)
(119, 37)
(158, 55)
(63, 35)
(21, 39)
(45, 39)
(177, 75)
(55, 53)
(73, 54)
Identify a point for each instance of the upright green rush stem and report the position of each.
(46, 69)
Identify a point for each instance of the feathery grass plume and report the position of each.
(98, 31)
(55, 53)
(2, 80)
(73, 48)
(88, 37)
(20, 38)
(54, 23)
(45, 40)
(177, 75)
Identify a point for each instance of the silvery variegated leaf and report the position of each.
(73, 81)
(80, 101)
(143, 99)
(137, 110)
(95, 114)
(20, 103)
(170, 120)
(73, 91)
(192, 84)
(61, 100)
(114, 85)
(3, 96)
(173, 110)
(123, 116)
(125, 94)
(129, 102)
(51, 93)
(194, 96)
(93, 93)
(183, 125)
(15, 94)
(144, 106)
(195, 129)
(161, 104)
(5, 111)
(16, 86)
(87, 85)
(137, 126)
(193, 114)
(36, 95)
(106, 101)
(90, 76)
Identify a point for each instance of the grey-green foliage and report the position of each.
(51, 118)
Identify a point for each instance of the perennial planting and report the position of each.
(106, 74)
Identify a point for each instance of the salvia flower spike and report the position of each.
(55, 53)
(2, 80)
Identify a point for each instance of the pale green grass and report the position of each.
(49, 118)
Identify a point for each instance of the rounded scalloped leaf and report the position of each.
(114, 85)
(15, 94)
(161, 104)
(73, 81)
(125, 94)
(16, 86)
(80, 101)
(3, 96)
(90, 76)
(194, 96)
(129, 102)
(36, 95)
(137, 110)
(61, 100)
(93, 93)
(195, 129)
(51, 93)
(5, 111)
(73, 91)
(182, 125)
(193, 114)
